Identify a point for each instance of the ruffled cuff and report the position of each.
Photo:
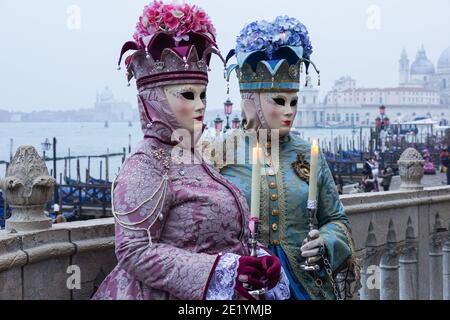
(223, 279)
(281, 290)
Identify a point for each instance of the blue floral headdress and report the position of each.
(270, 55)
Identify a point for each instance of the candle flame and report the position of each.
(257, 153)
(315, 147)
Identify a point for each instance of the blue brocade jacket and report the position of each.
(284, 217)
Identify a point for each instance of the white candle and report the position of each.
(313, 166)
(256, 181)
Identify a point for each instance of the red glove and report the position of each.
(250, 271)
(272, 268)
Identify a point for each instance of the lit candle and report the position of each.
(313, 165)
(256, 182)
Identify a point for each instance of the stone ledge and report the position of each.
(13, 260)
(11, 254)
(372, 197)
(63, 240)
(99, 244)
(397, 204)
(33, 239)
(50, 251)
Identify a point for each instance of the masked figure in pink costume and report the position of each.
(181, 228)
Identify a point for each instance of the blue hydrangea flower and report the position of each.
(270, 36)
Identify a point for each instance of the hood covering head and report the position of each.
(252, 115)
(172, 45)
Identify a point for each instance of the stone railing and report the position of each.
(402, 243)
(401, 240)
(67, 261)
(39, 260)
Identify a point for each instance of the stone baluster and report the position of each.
(27, 188)
(410, 167)
(446, 267)
(436, 256)
(408, 261)
(370, 280)
(389, 267)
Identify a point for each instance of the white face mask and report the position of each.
(279, 110)
(188, 104)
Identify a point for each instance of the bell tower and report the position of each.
(403, 69)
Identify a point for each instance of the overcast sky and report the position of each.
(50, 61)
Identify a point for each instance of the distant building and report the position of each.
(422, 73)
(106, 108)
(442, 77)
(16, 117)
(309, 111)
(4, 116)
(112, 109)
(389, 96)
(423, 91)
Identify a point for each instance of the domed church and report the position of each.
(422, 73)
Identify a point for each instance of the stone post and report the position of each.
(410, 167)
(370, 275)
(389, 267)
(436, 256)
(409, 266)
(27, 188)
(446, 267)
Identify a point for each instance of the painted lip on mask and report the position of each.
(287, 123)
(200, 118)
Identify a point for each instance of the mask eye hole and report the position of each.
(203, 95)
(189, 95)
(294, 103)
(279, 101)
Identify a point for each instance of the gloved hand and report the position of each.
(272, 268)
(250, 271)
(311, 247)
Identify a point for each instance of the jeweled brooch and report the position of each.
(301, 167)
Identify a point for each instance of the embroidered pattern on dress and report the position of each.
(160, 194)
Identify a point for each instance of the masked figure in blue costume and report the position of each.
(270, 58)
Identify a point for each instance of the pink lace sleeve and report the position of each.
(223, 280)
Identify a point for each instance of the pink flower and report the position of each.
(141, 31)
(153, 16)
(187, 10)
(201, 16)
(179, 19)
(170, 21)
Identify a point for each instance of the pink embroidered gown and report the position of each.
(175, 224)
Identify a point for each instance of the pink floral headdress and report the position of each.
(173, 44)
(178, 20)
